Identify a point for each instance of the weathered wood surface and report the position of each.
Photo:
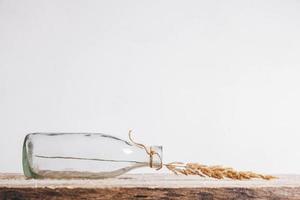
(149, 186)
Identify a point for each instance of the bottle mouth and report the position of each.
(156, 160)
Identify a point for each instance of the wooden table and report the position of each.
(149, 186)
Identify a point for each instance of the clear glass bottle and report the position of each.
(83, 155)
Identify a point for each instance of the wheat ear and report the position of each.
(217, 172)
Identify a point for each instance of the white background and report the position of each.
(215, 82)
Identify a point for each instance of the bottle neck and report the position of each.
(155, 157)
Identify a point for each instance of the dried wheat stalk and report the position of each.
(218, 172)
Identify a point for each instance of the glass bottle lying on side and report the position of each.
(84, 155)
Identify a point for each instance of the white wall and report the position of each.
(212, 81)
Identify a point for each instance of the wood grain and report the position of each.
(149, 186)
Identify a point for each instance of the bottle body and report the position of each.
(81, 155)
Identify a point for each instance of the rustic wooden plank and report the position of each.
(149, 186)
